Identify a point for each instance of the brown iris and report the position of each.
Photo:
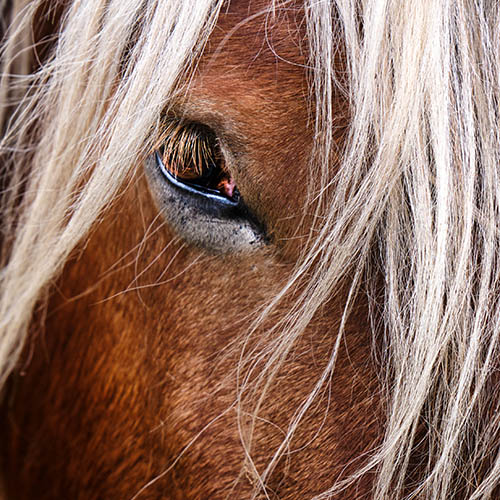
(191, 152)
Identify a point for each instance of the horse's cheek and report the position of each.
(120, 382)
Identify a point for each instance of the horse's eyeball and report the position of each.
(197, 195)
(190, 153)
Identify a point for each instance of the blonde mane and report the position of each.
(415, 199)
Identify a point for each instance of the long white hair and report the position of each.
(416, 196)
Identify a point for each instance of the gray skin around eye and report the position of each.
(200, 221)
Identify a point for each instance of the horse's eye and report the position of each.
(196, 192)
(190, 156)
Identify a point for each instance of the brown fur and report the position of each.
(116, 384)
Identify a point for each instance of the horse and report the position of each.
(250, 249)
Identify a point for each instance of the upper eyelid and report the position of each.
(231, 138)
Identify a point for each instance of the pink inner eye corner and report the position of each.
(227, 186)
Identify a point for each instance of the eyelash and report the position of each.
(190, 157)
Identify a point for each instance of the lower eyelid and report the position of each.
(210, 223)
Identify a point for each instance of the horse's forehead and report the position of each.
(257, 50)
